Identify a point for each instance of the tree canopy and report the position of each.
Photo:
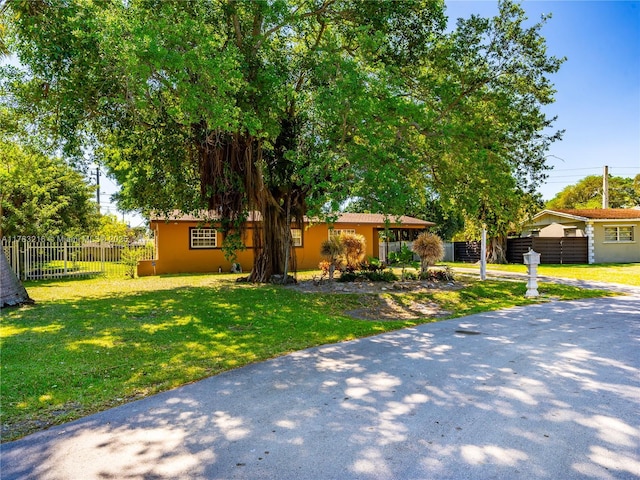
(42, 196)
(587, 193)
(290, 107)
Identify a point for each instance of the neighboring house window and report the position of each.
(622, 233)
(203, 238)
(296, 236)
(337, 232)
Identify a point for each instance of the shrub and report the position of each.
(404, 258)
(130, 257)
(409, 276)
(348, 276)
(380, 276)
(372, 265)
(440, 275)
(324, 267)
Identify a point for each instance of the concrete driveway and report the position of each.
(550, 391)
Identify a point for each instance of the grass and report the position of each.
(91, 344)
(623, 273)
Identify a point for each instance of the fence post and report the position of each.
(27, 266)
(14, 256)
(64, 255)
(102, 267)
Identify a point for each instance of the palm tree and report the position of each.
(430, 249)
(355, 249)
(12, 291)
(333, 251)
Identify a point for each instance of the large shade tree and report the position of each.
(290, 107)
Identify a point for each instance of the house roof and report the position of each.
(594, 213)
(367, 218)
(378, 218)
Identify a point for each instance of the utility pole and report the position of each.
(98, 187)
(605, 187)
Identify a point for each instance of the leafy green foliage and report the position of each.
(403, 258)
(291, 108)
(112, 227)
(41, 195)
(587, 193)
(130, 258)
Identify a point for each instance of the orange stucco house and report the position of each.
(185, 244)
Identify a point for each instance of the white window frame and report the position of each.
(609, 239)
(296, 237)
(336, 232)
(200, 238)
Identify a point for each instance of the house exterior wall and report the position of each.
(556, 230)
(546, 221)
(615, 252)
(175, 256)
(599, 249)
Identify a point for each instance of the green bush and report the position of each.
(380, 276)
(130, 258)
(439, 275)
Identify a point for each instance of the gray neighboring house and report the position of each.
(612, 233)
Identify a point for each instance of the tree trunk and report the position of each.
(233, 183)
(272, 252)
(497, 249)
(13, 293)
(424, 268)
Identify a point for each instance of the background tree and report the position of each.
(111, 227)
(587, 193)
(42, 196)
(291, 107)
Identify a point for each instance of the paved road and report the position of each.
(550, 391)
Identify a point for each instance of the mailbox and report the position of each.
(531, 258)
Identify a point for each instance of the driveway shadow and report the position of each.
(545, 391)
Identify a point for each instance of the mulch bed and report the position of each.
(380, 299)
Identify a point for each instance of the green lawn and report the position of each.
(91, 344)
(623, 273)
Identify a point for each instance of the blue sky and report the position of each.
(598, 87)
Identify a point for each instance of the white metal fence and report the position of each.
(35, 258)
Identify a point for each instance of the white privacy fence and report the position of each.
(34, 258)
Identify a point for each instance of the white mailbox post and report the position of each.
(532, 260)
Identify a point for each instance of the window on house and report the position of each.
(622, 233)
(203, 238)
(335, 232)
(296, 236)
